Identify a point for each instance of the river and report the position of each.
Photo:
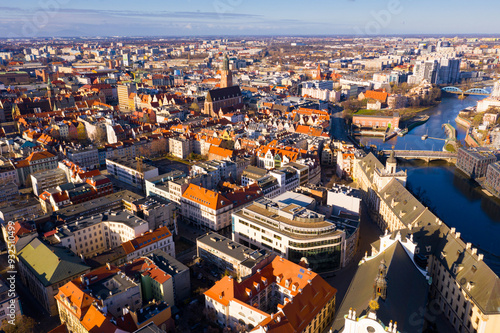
(457, 200)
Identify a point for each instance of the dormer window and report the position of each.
(294, 287)
(264, 280)
(287, 283)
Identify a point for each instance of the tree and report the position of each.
(22, 324)
(210, 314)
(353, 105)
(240, 327)
(477, 120)
(99, 136)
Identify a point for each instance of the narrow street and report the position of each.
(369, 233)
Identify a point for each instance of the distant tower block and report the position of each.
(226, 79)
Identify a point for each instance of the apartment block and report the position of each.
(222, 254)
(42, 180)
(44, 267)
(474, 162)
(84, 157)
(96, 234)
(130, 171)
(493, 178)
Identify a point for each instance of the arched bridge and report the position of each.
(473, 91)
(426, 155)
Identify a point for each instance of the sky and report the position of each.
(72, 18)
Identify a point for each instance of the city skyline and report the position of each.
(59, 18)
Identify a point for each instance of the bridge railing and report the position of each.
(420, 153)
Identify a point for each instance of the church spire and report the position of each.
(391, 163)
(318, 72)
(226, 76)
(380, 284)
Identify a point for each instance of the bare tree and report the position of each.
(99, 136)
(23, 324)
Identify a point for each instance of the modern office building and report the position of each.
(493, 178)
(295, 232)
(474, 162)
(124, 91)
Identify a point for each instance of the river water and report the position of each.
(457, 200)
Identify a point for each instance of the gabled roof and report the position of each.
(309, 130)
(224, 153)
(449, 249)
(96, 322)
(404, 282)
(309, 291)
(77, 298)
(368, 164)
(401, 202)
(147, 239)
(223, 93)
(50, 264)
(378, 95)
(243, 195)
(39, 155)
(207, 198)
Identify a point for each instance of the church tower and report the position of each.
(50, 90)
(381, 281)
(318, 72)
(391, 164)
(226, 79)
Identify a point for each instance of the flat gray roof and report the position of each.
(227, 246)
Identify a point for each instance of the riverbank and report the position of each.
(406, 114)
(460, 202)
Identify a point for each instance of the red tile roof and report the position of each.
(312, 131)
(96, 322)
(146, 267)
(309, 291)
(205, 197)
(146, 239)
(218, 151)
(80, 301)
(39, 155)
(378, 95)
